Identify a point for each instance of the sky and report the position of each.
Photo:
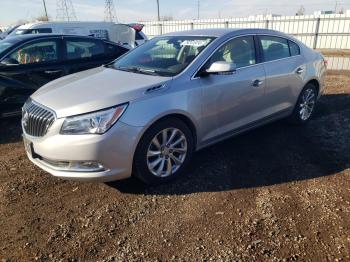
(12, 11)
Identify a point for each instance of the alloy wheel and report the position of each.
(307, 104)
(166, 152)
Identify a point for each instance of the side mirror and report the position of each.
(9, 61)
(221, 67)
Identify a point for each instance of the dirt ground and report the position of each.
(277, 193)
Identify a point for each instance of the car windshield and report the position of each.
(7, 43)
(163, 56)
(4, 45)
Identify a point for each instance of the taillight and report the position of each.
(137, 27)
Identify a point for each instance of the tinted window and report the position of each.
(38, 52)
(114, 50)
(240, 51)
(294, 48)
(274, 47)
(85, 48)
(138, 36)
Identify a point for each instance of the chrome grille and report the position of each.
(36, 119)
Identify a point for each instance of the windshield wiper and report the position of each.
(135, 69)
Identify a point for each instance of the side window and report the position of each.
(84, 48)
(294, 48)
(274, 47)
(240, 51)
(38, 52)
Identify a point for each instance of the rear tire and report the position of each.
(163, 152)
(305, 105)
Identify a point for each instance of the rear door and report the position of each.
(284, 72)
(234, 100)
(27, 68)
(85, 53)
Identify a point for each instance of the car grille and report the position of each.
(36, 119)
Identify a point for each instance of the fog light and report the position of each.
(74, 166)
(86, 166)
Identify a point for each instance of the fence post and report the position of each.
(267, 24)
(317, 32)
(160, 28)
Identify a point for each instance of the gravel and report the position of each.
(277, 193)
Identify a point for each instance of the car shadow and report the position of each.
(273, 154)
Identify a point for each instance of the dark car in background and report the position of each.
(29, 61)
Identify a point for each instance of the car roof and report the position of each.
(39, 36)
(219, 32)
(24, 38)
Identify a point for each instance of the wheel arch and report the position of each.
(183, 117)
(314, 82)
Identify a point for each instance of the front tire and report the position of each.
(305, 105)
(163, 152)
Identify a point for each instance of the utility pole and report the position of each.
(65, 10)
(47, 17)
(335, 8)
(158, 18)
(158, 12)
(198, 7)
(110, 14)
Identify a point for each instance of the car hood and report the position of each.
(94, 89)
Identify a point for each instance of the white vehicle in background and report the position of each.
(8, 31)
(123, 34)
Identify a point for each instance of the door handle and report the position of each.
(300, 70)
(257, 83)
(52, 71)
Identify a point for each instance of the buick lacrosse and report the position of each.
(146, 113)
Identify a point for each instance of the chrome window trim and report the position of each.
(193, 77)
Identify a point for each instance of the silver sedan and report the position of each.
(147, 112)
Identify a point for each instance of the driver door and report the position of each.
(26, 69)
(233, 100)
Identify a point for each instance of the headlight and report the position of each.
(92, 123)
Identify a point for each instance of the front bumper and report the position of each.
(114, 150)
